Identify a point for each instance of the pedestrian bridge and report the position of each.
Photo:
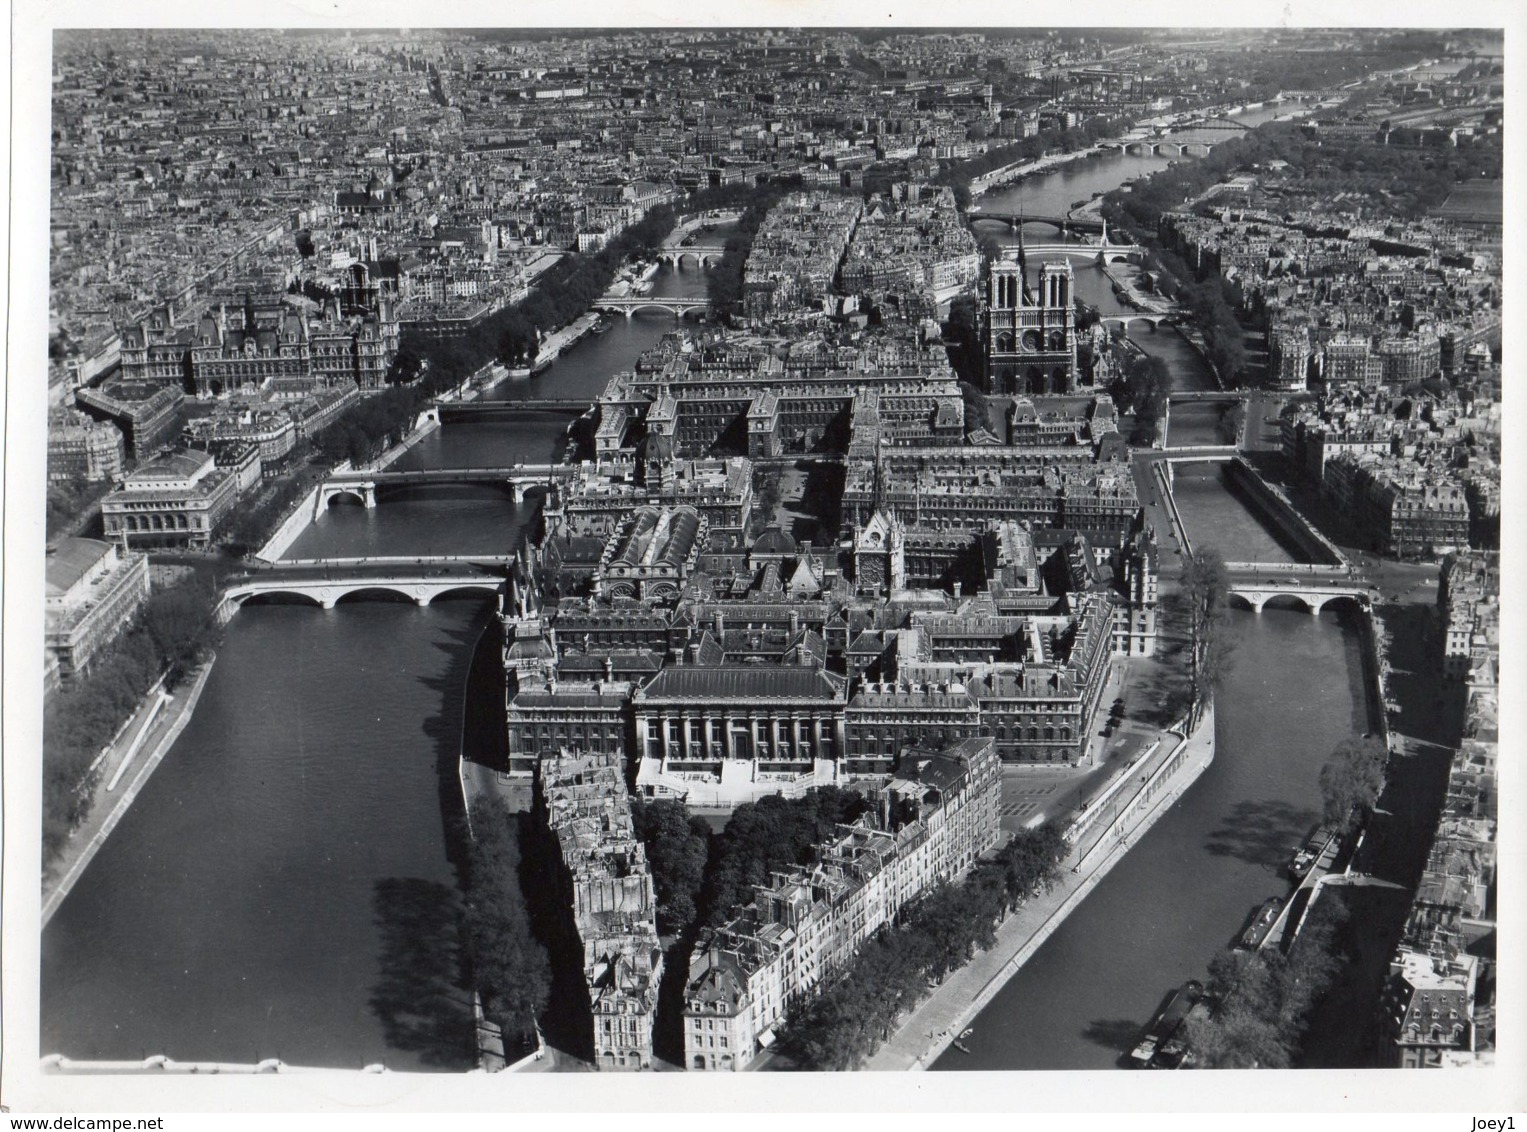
(363, 486)
(629, 305)
(420, 580)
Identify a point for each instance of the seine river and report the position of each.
(282, 887)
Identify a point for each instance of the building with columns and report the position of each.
(728, 733)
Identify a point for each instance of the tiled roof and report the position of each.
(743, 682)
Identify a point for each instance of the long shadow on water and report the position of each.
(1117, 1034)
(419, 997)
(1261, 833)
(423, 996)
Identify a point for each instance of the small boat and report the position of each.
(1261, 923)
(966, 1033)
(959, 1045)
(541, 367)
(602, 326)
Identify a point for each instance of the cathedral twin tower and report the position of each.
(1029, 335)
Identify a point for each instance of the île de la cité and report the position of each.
(733, 551)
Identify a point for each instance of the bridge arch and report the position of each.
(273, 597)
(463, 588)
(1290, 600)
(373, 591)
(1359, 601)
(358, 494)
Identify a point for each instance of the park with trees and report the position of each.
(1263, 999)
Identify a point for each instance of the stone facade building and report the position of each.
(805, 927)
(94, 590)
(177, 500)
(607, 887)
(1029, 335)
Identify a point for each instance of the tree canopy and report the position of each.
(677, 849)
(510, 966)
(1205, 587)
(1351, 781)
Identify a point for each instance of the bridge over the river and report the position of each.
(363, 486)
(1062, 224)
(630, 304)
(328, 581)
(704, 255)
(1211, 396)
(1153, 318)
(457, 411)
(1313, 587)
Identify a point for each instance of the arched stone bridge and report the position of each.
(326, 582)
(1103, 253)
(363, 486)
(630, 305)
(1155, 319)
(1314, 593)
(703, 254)
(1060, 223)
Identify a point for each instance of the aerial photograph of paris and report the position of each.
(748, 550)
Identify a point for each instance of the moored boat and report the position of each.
(1307, 854)
(1261, 923)
(1166, 1023)
(1175, 1052)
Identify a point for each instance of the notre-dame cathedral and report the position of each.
(1029, 334)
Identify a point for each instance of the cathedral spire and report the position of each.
(1023, 260)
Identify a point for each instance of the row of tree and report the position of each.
(1263, 998)
(510, 967)
(1205, 589)
(1143, 387)
(842, 1026)
(173, 633)
(724, 284)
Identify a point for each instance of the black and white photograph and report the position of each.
(796, 539)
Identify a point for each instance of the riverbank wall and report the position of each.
(1018, 170)
(293, 525)
(1277, 507)
(940, 1019)
(426, 424)
(78, 854)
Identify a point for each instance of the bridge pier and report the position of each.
(517, 491)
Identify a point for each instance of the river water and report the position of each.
(282, 887)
